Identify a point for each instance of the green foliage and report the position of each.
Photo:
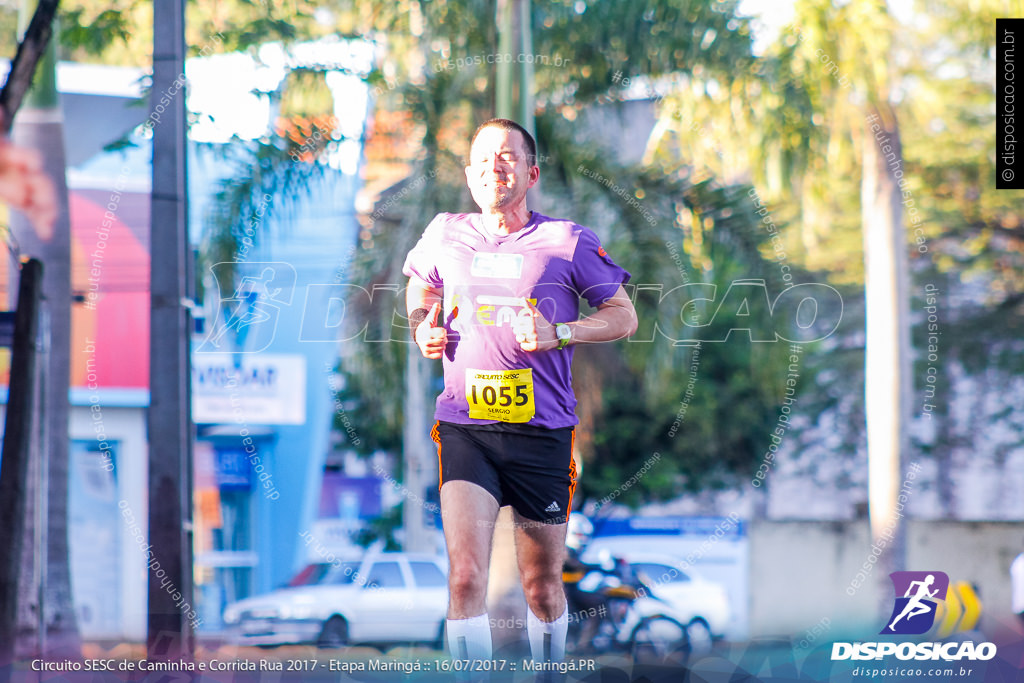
(8, 29)
(121, 31)
(374, 372)
(706, 412)
(974, 232)
(372, 391)
(118, 33)
(797, 121)
(656, 38)
(382, 529)
(267, 181)
(629, 392)
(304, 92)
(94, 34)
(790, 120)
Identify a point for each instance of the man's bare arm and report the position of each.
(424, 303)
(614, 319)
(420, 294)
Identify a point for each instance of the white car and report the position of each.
(701, 605)
(381, 598)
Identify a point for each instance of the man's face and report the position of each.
(499, 173)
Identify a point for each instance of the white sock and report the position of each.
(547, 638)
(470, 638)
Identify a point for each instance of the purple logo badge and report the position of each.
(917, 595)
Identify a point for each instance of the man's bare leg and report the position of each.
(540, 551)
(468, 513)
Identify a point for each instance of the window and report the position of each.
(385, 575)
(342, 575)
(97, 530)
(234, 534)
(428, 575)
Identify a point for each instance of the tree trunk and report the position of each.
(37, 33)
(888, 339)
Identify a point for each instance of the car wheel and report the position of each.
(659, 640)
(700, 637)
(334, 634)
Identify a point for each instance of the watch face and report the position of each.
(562, 331)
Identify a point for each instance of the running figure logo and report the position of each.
(914, 613)
(247, 320)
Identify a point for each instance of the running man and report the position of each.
(495, 295)
(914, 606)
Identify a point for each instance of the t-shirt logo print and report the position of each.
(500, 311)
(917, 596)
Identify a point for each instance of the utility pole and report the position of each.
(171, 604)
(504, 71)
(419, 535)
(513, 97)
(526, 98)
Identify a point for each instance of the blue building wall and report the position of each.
(317, 245)
(301, 244)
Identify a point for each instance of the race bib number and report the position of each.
(505, 395)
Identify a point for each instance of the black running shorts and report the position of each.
(529, 468)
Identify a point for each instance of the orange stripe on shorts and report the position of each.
(436, 436)
(572, 472)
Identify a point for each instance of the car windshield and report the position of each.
(341, 574)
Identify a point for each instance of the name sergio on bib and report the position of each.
(504, 395)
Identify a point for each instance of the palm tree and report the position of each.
(805, 121)
(863, 47)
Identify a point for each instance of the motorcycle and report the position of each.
(617, 610)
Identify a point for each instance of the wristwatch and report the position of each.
(564, 334)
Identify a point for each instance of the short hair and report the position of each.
(509, 125)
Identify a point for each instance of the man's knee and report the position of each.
(466, 581)
(544, 590)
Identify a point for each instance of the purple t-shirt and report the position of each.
(552, 263)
